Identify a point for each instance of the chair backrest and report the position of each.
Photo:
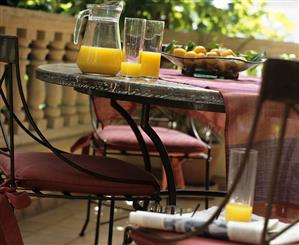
(9, 56)
(280, 81)
(105, 113)
(9, 49)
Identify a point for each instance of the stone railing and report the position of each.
(272, 49)
(45, 38)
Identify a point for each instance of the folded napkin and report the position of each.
(245, 232)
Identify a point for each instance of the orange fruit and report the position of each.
(215, 50)
(227, 52)
(200, 49)
(212, 53)
(190, 62)
(200, 62)
(190, 54)
(179, 52)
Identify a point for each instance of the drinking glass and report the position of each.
(239, 207)
(151, 55)
(132, 46)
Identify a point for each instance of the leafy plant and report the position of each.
(238, 18)
(254, 56)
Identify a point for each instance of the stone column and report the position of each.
(69, 98)
(35, 87)
(54, 92)
(82, 99)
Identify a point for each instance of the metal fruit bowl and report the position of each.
(221, 67)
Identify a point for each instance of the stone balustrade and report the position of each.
(45, 38)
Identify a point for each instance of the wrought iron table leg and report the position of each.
(134, 127)
(162, 151)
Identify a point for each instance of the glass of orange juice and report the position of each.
(239, 207)
(132, 46)
(150, 57)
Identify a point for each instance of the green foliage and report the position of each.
(239, 18)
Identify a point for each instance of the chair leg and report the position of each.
(96, 239)
(82, 232)
(164, 180)
(178, 173)
(207, 177)
(111, 221)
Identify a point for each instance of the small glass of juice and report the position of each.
(134, 29)
(239, 207)
(150, 57)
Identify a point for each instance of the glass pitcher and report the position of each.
(100, 51)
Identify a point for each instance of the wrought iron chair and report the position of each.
(58, 174)
(119, 139)
(280, 84)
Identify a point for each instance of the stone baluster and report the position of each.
(82, 99)
(36, 88)
(69, 109)
(54, 92)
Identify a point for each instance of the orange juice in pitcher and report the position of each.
(101, 49)
(99, 60)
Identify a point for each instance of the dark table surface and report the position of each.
(157, 92)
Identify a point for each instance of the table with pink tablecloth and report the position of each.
(240, 97)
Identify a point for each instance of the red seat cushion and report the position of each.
(46, 172)
(122, 137)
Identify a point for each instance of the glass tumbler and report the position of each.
(150, 57)
(239, 207)
(132, 46)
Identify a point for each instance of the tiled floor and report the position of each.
(61, 225)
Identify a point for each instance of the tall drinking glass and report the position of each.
(151, 55)
(239, 207)
(132, 46)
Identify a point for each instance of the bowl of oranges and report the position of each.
(198, 61)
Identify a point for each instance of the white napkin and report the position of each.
(246, 232)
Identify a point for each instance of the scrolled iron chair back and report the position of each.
(9, 55)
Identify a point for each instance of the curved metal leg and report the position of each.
(207, 177)
(134, 127)
(111, 221)
(82, 232)
(162, 151)
(96, 239)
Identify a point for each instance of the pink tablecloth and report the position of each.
(240, 98)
